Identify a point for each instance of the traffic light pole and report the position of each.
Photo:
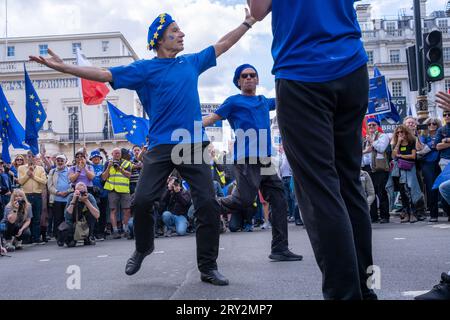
(422, 99)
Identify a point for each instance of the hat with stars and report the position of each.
(156, 30)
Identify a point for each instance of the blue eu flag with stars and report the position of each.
(136, 128)
(11, 130)
(36, 115)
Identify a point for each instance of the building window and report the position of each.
(394, 56)
(43, 49)
(11, 51)
(370, 55)
(447, 85)
(446, 54)
(397, 88)
(105, 46)
(108, 133)
(443, 26)
(74, 124)
(75, 46)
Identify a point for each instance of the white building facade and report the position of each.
(386, 41)
(61, 95)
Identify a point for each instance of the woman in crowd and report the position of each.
(17, 218)
(430, 165)
(404, 174)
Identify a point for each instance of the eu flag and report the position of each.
(12, 131)
(36, 115)
(117, 118)
(136, 128)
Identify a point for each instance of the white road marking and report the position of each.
(413, 293)
(399, 238)
(221, 249)
(44, 260)
(104, 256)
(159, 252)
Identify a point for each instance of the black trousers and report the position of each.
(250, 179)
(58, 216)
(380, 180)
(157, 167)
(321, 126)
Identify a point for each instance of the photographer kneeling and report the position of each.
(17, 220)
(80, 217)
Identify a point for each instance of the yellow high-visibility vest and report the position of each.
(117, 181)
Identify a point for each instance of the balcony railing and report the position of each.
(93, 137)
(17, 66)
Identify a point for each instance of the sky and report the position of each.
(203, 21)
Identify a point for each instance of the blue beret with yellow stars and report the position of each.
(157, 28)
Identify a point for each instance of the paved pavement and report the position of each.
(411, 259)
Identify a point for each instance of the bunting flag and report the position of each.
(36, 115)
(94, 93)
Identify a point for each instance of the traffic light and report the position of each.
(433, 56)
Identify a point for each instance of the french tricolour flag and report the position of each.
(94, 93)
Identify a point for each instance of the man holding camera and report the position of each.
(176, 202)
(33, 180)
(81, 206)
(117, 176)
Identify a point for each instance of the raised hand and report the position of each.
(443, 100)
(54, 62)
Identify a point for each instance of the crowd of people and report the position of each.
(48, 197)
(403, 168)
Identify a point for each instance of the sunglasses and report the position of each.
(246, 75)
(400, 132)
(446, 114)
(432, 124)
(371, 125)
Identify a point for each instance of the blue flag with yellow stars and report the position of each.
(136, 128)
(11, 130)
(117, 118)
(36, 115)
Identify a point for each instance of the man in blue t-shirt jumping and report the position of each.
(249, 116)
(168, 89)
(322, 89)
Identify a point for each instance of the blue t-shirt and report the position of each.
(246, 113)
(316, 41)
(443, 133)
(63, 184)
(98, 182)
(430, 141)
(168, 90)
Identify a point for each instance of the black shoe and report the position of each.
(215, 278)
(375, 221)
(439, 292)
(299, 223)
(90, 242)
(384, 221)
(285, 256)
(60, 244)
(135, 262)
(72, 244)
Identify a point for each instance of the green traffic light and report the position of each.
(434, 71)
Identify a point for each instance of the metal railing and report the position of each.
(93, 137)
(17, 66)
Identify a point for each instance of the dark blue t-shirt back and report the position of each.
(316, 40)
(168, 90)
(251, 114)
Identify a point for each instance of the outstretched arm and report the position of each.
(211, 119)
(234, 36)
(259, 9)
(443, 100)
(89, 73)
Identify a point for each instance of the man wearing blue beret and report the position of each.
(322, 85)
(249, 116)
(168, 89)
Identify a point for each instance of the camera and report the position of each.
(83, 193)
(21, 203)
(116, 164)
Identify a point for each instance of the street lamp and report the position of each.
(74, 118)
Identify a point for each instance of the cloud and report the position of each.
(203, 21)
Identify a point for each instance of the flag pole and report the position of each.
(6, 30)
(81, 111)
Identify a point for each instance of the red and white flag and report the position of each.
(94, 93)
